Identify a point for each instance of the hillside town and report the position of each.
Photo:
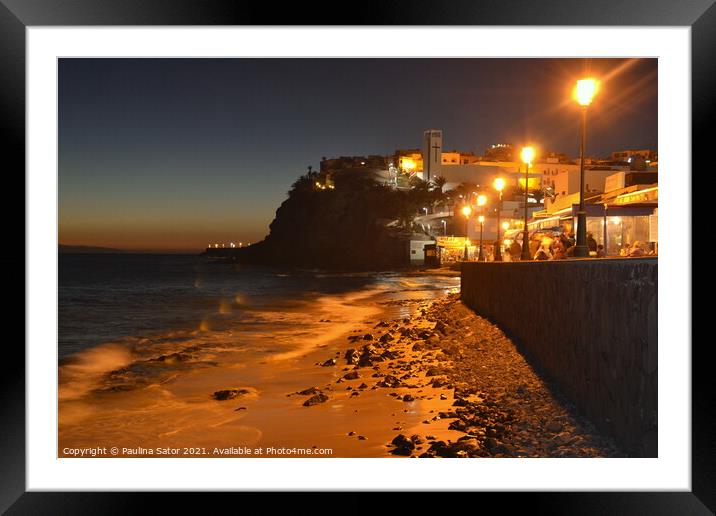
(484, 200)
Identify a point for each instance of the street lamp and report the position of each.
(466, 211)
(604, 237)
(527, 155)
(499, 185)
(481, 220)
(444, 227)
(583, 93)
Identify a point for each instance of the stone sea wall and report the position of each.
(589, 325)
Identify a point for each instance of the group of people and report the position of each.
(638, 248)
(560, 247)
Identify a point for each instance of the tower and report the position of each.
(432, 153)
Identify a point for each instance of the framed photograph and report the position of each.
(271, 250)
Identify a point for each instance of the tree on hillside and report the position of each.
(438, 183)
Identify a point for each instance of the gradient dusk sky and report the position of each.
(160, 154)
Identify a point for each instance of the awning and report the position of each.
(597, 210)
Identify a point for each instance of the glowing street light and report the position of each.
(584, 92)
(505, 226)
(481, 200)
(480, 255)
(528, 155)
(499, 185)
(466, 211)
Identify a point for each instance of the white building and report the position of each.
(564, 181)
(432, 153)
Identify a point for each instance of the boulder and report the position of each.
(315, 400)
(441, 327)
(386, 338)
(554, 426)
(402, 451)
(401, 441)
(439, 382)
(229, 394)
(351, 356)
(389, 381)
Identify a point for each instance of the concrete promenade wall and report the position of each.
(591, 326)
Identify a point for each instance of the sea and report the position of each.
(152, 315)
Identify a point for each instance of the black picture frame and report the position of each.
(17, 15)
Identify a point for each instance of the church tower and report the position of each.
(432, 153)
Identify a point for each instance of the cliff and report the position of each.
(354, 223)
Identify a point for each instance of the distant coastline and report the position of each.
(86, 249)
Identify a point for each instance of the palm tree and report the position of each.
(418, 184)
(438, 182)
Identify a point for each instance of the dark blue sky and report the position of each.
(177, 153)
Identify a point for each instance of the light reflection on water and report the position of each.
(128, 321)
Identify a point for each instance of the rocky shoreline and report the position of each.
(496, 402)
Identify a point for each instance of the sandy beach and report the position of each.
(435, 381)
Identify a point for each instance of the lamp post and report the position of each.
(481, 201)
(444, 227)
(466, 211)
(481, 220)
(583, 93)
(527, 155)
(605, 229)
(499, 185)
